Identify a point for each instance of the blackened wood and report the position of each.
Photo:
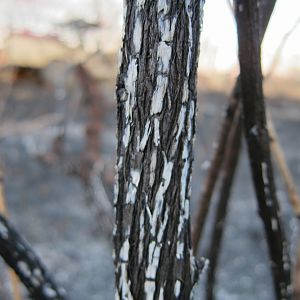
(217, 160)
(248, 22)
(228, 173)
(267, 8)
(156, 95)
(18, 254)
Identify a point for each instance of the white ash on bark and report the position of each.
(156, 94)
(18, 254)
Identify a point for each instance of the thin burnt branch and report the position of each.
(217, 160)
(19, 255)
(229, 169)
(214, 170)
(248, 22)
(283, 167)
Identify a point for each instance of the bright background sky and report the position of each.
(219, 40)
(219, 45)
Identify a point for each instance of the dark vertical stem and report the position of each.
(217, 160)
(248, 22)
(231, 159)
(18, 254)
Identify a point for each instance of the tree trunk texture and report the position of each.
(248, 21)
(18, 254)
(156, 95)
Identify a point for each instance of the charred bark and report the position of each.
(156, 95)
(18, 254)
(249, 35)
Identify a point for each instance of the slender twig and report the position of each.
(247, 16)
(214, 169)
(230, 163)
(279, 50)
(18, 254)
(283, 168)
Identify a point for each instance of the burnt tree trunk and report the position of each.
(156, 95)
(249, 35)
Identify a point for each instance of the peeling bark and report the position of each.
(249, 36)
(18, 254)
(156, 96)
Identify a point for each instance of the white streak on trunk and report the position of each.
(162, 6)
(155, 248)
(164, 52)
(153, 260)
(133, 185)
(264, 168)
(179, 250)
(177, 288)
(141, 235)
(149, 212)
(130, 86)
(159, 94)
(124, 252)
(153, 167)
(180, 125)
(144, 140)
(161, 294)
(125, 283)
(183, 187)
(185, 92)
(190, 14)
(159, 197)
(137, 34)
(149, 289)
(156, 132)
(274, 224)
(140, 3)
(126, 135)
(191, 118)
(163, 226)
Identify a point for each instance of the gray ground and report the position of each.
(49, 208)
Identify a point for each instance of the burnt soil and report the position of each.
(49, 207)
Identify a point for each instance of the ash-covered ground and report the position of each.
(49, 207)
